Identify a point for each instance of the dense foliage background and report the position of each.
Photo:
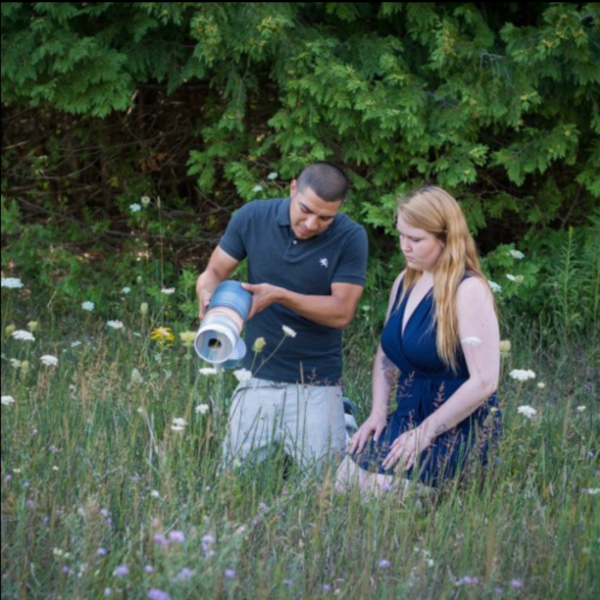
(198, 107)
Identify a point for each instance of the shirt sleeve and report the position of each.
(352, 266)
(232, 241)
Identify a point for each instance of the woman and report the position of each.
(439, 354)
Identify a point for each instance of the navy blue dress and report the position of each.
(425, 383)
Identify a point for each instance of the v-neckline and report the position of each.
(403, 325)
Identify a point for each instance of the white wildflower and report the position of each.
(25, 336)
(257, 188)
(592, 491)
(541, 385)
(115, 324)
(135, 207)
(581, 408)
(76, 343)
(471, 341)
(510, 277)
(87, 305)
(202, 408)
(517, 254)
(15, 363)
(494, 287)
(179, 422)
(167, 291)
(126, 290)
(49, 360)
(522, 374)
(208, 371)
(136, 377)
(8, 400)
(527, 411)
(145, 200)
(272, 175)
(155, 494)
(288, 331)
(177, 427)
(243, 375)
(11, 282)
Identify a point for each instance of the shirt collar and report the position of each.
(283, 212)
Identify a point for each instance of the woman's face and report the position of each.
(421, 249)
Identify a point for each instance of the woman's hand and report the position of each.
(374, 425)
(405, 449)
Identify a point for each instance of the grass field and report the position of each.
(112, 487)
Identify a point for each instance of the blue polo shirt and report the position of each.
(261, 232)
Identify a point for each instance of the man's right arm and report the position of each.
(220, 267)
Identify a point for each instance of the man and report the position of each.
(306, 271)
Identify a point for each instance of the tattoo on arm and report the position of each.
(440, 429)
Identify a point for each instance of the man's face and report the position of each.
(309, 214)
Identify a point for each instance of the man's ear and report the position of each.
(293, 187)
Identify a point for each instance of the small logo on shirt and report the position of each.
(324, 262)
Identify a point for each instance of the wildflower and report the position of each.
(135, 207)
(155, 494)
(24, 366)
(126, 290)
(257, 188)
(494, 287)
(107, 592)
(49, 360)
(202, 408)
(522, 374)
(177, 536)
(467, 580)
(471, 341)
(148, 569)
(75, 344)
(162, 335)
(527, 411)
(15, 363)
(229, 574)
(288, 331)
(187, 337)
(242, 375)
(499, 591)
(541, 385)
(145, 201)
(384, 564)
(179, 422)
(208, 371)
(184, 575)
(272, 175)
(517, 584)
(136, 377)
(101, 552)
(517, 254)
(121, 571)
(115, 324)
(9, 329)
(580, 408)
(32, 325)
(7, 400)
(263, 506)
(505, 346)
(144, 308)
(167, 291)
(591, 491)
(156, 594)
(11, 282)
(21, 334)
(259, 344)
(87, 305)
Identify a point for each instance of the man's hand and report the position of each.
(263, 295)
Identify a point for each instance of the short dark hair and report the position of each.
(326, 180)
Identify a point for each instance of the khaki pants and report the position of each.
(307, 420)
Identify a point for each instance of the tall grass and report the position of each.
(102, 498)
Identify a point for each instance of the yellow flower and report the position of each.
(32, 325)
(163, 335)
(144, 308)
(187, 337)
(505, 346)
(9, 329)
(259, 344)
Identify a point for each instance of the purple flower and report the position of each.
(517, 584)
(104, 512)
(177, 536)
(46, 520)
(499, 591)
(184, 575)
(101, 552)
(107, 592)
(66, 569)
(467, 580)
(26, 484)
(229, 574)
(288, 582)
(384, 564)
(121, 571)
(109, 521)
(35, 432)
(263, 506)
(31, 504)
(148, 569)
(156, 594)
(161, 540)
(326, 587)
(7, 478)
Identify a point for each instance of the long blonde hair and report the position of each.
(434, 210)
